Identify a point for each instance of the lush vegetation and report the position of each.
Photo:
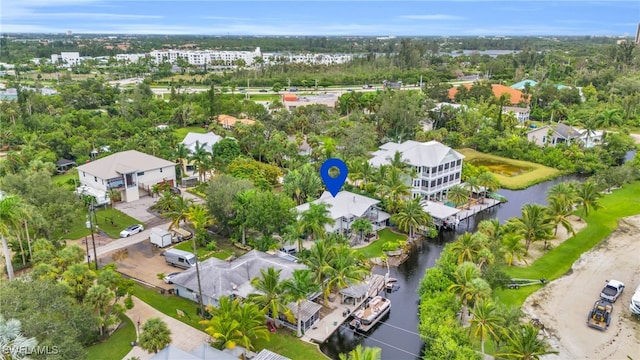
(118, 345)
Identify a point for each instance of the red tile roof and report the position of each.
(498, 90)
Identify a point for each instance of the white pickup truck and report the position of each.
(612, 290)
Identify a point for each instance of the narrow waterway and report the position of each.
(397, 335)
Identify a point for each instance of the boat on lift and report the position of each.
(370, 313)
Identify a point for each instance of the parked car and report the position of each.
(635, 302)
(169, 277)
(612, 290)
(131, 230)
(262, 90)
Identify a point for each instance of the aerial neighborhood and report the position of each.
(273, 197)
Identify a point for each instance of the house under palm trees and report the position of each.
(437, 166)
(346, 207)
(192, 140)
(233, 278)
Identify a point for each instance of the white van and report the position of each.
(180, 258)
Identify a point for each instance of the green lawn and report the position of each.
(264, 97)
(117, 345)
(78, 229)
(64, 179)
(375, 248)
(182, 132)
(537, 173)
(621, 203)
(281, 342)
(203, 253)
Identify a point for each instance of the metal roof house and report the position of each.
(438, 167)
(222, 278)
(346, 207)
(128, 172)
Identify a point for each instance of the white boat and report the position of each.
(370, 313)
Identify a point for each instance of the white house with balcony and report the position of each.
(130, 172)
(346, 207)
(437, 166)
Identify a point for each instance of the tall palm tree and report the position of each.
(155, 335)
(251, 323)
(489, 182)
(363, 353)
(399, 163)
(588, 196)
(114, 196)
(533, 225)
(201, 159)
(10, 213)
(457, 195)
(178, 214)
(411, 215)
(559, 213)
(486, 322)
(468, 286)
(473, 186)
(313, 220)
(523, 343)
(394, 188)
(565, 192)
(347, 267)
(362, 226)
(319, 261)
(268, 294)
(297, 289)
(199, 216)
(512, 248)
(181, 154)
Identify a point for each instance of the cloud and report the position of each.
(431, 17)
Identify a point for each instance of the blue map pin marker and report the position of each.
(334, 184)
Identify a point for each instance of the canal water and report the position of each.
(397, 335)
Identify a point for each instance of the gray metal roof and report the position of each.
(222, 278)
(268, 355)
(207, 140)
(123, 162)
(345, 204)
(173, 353)
(438, 210)
(431, 153)
(307, 309)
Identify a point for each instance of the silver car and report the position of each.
(131, 230)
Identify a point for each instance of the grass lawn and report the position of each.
(264, 97)
(203, 253)
(78, 228)
(375, 248)
(118, 345)
(64, 179)
(182, 132)
(535, 173)
(281, 342)
(621, 203)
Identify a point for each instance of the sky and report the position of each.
(329, 18)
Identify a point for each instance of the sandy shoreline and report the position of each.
(563, 305)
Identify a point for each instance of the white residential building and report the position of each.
(522, 114)
(205, 57)
(66, 58)
(346, 207)
(196, 139)
(437, 166)
(130, 172)
(131, 58)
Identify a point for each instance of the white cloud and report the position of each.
(95, 16)
(431, 17)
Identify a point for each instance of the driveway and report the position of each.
(183, 336)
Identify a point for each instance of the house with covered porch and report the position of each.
(346, 207)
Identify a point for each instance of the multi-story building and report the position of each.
(206, 57)
(66, 58)
(437, 166)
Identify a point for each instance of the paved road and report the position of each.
(183, 336)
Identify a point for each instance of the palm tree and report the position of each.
(523, 343)
(14, 345)
(393, 188)
(114, 196)
(199, 216)
(587, 197)
(485, 322)
(489, 182)
(181, 154)
(410, 216)
(533, 225)
(559, 213)
(556, 108)
(347, 267)
(297, 289)
(363, 353)
(399, 163)
(9, 216)
(468, 285)
(457, 195)
(79, 278)
(565, 192)
(362, 226)
(313, 220)
(251, 324)
(268, 294)
(155, 335)
(319, 261)
(512, 248)
(201, 159)
(467, 247)
(473, 186)
(181, 207)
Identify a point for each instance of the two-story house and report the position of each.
(346, 207)
(551, 135)
(193, 140)
(437, 166)
(128, 172)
